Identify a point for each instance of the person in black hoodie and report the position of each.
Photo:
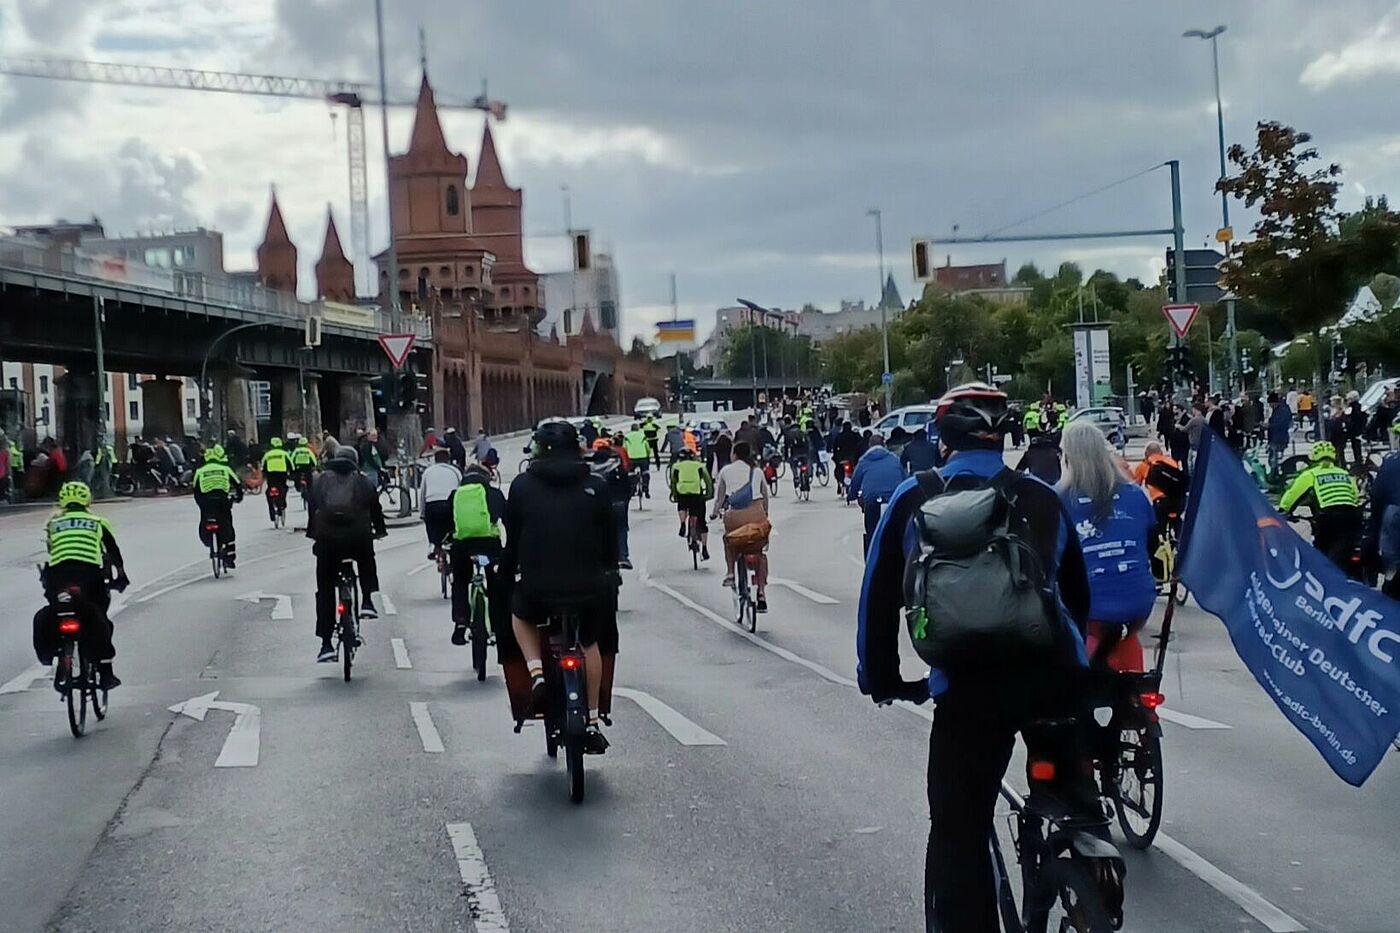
(343, 518)
(1042, 457)
(561, 551)
(607, 464)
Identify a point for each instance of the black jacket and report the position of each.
(847, 447)
(343, 506)
(918, 454)
(1042, 459)
(561, 535)
(607, 466)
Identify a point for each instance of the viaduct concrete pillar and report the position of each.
(160, 408)
(356, 407)
(301, 414)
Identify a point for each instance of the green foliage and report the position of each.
(1298, 362)
(752, 345)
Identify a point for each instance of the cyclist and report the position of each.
(741, 496)
(794, 441)
(450, 439)
(276, 464)
(1117, 530)
(1042, 457)
(919, 454)
(638, 450)
(216, 488)
(562, 543)
(1164, 481)
(980, 710)
(1331, 492)
(651, 431)
(1383, 531)
(673, 443)
(877, 475)
(609, 462)
(343, 519)
(475, 512)
(435, 489)
(80, 546)
(691, 488)
(845, 450)
(303, 461)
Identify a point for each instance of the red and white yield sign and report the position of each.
(397, 347)
(1180, 317)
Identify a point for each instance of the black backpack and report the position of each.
(975, 589)
(1168, 479)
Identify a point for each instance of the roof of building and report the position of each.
(276, 234)
(427, 128)
(488, 165)
(889, 298)
(331, 249)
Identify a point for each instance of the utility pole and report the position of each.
(675, 315)
(880, 298)
(1179, 245)
(100, 476)
(573, 254)
(391, 257)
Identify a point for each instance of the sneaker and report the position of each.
(107, 680)
(539, 697)
(459, 634)
(624, 564)
(327, 653)
(761, 604)
(594, 742)
(367, 610)
(432, 555)
(681, 533)
(728, 582)
(704, 553)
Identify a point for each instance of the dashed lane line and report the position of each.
(401, 660)
(427, 732)
(387, 605)
(820, 599)
(682, 729)
(21, 681)
(1189, 721)
(483, 903)
(1232, 888)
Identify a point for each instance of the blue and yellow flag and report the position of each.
(675, 331)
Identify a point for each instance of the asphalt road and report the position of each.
(749, 786)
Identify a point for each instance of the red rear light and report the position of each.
(1152, 700)
(569, 662)
(339, 608)
(68, 627)
(1042, 771)
(75, 591)
(211, 526)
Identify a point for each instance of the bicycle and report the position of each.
(802, 481)
(277, 497)
(477, 608)
(1272, 481)
(217, 560)
(444, 568)
(641, 486)
(771, 474)
(524, 462)
(1071, 879)
(303, 484)
(347, 614)
(75, 675)
(745, 608)
(692, 539)
(822, 471)
(1166, 559)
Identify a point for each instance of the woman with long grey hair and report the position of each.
(1117, 532)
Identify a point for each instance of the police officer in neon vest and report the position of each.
(216, 488)
(80, 546)
(303, 460)
(276, 464)
(639, 452)
(478, 509)
(1331, 492)
(691, 488)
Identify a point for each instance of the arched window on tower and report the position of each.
(453, 205)
(423, 284)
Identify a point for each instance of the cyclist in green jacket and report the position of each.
(478, 509)
(303, 460)
(1331, 492)
(638, 449)
(216, 488)
(691, 487)
(276, 464)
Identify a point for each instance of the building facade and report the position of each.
(591, 293)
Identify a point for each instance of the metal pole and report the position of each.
(206, 397)
(753, 361)
(573, 254)
(101, 364)
(1224, 210)
(1179, 242)
(392, 256)
(880, 298)
(675, 310)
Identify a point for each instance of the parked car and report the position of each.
(1106, 419)
(646, 406)
(911, 418)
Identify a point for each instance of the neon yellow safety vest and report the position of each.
(303, 457)
(471, 516)
(276, 460)
(214, 477)
(1332, 485)
(635, 443)
(76, 536)
(688, 477)
(1031, 422)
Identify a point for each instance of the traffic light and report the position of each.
(384, 390)
(923, 265)
(1246, 360)
(420, 391)
(408, 390)
(1339, 357)
(1179, 367)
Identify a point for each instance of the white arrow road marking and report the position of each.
(241, 747)
(21, 681)
(387, 605)
(683, 730)
(281, 609)
(483, 904)
(427, 732)
(1189, 721)
(401, 660)
(819, 598)
(1246, 897)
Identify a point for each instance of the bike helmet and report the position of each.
(972, 415)
(348, 454)
(476, 469)
(74, 495)
(1323, 451)
(556, 437)
(303, 442)
(275, 442)
(214, 454)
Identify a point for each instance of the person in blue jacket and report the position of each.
(878, 473)
(1383, 529)
(980, 711)
(1117, 530)
(1280, 426)
(921, 453)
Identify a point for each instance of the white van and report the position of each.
(646, 406)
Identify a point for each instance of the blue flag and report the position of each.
(1321, 645)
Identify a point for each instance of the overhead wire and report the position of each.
(1074, 200)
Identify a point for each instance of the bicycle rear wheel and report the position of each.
(76, 693)
(1137, 790)
(216, 563)
(347, 639)
(97, 697)
(1076, 902)
(573, 756)
(478, 630)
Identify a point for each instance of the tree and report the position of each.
(1300, 262)
(852, 362)
(785, 353)
(1028, 274)
(1377, 341)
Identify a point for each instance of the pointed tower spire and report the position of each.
(427, 138)
(488, 166)
(277, 254)
(335, 274)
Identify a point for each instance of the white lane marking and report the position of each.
(1242, 894)
(682, 730)
(183, 583)
(241, 748)
(419, 569)
(388, 605)
(427, 732)
(281, 607)
(21, 681)
(1246, 897)
(819, 598)
(401, 660)
(1189, 721)
(483, 903)
(721, 621)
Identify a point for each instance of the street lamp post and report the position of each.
(1214, 36)
(391, 257)
(880, 297)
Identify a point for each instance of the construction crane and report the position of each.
(353, 95)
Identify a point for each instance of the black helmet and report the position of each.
(348, 454)
(556, 437)
(476, 469)
(972, 415)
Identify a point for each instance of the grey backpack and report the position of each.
(975, 590)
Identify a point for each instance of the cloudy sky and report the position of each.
(737, 144)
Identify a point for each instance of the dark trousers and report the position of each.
(620, 510)
(497, 598)
(218, 508)
(873, 508)
(437, 521)
(1336, 533)
(974, 729)
(277, 481)
(329, 554)
(655, 451)
(93, 600)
